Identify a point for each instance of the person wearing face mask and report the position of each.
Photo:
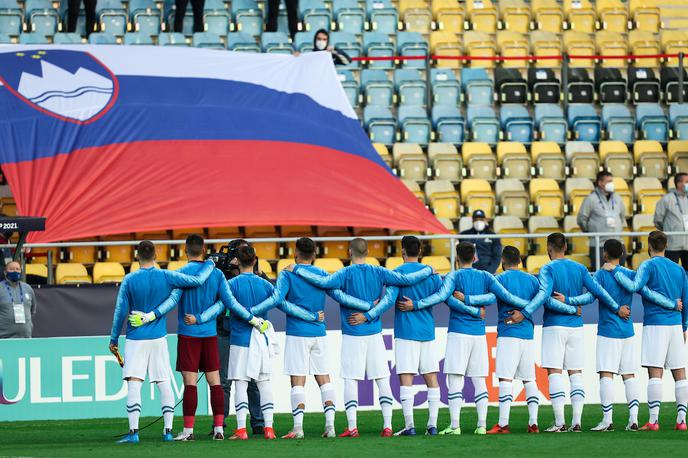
(671, 215)
(17, 305)
(321, 42)
(602, 211)
(488, 251)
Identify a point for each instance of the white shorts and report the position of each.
(306, 356)
(147, 356)
(515, 359)
(663, 347)
(563, 348)
(616, 355)
(416, 357)
(363, 355)
(238, 364)
(466, 355)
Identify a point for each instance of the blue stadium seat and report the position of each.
(67, 39)
(415, 125)
(5, 39)
(618, 122)
(216, 17)
(314, 15)
(242, 42)
(348, 43)
(584, 122)
(276, 42)
(516, 123)
(81, 19)
(103, 38)
(112, 16)
(383, 16)
(550, 123)
(477, 86)
(42, 18)
(349, 85)
(207, 40)
(145, 16)
(137, 38)
(412, 44)
(411, 87)
(33, 39)
(11, 17)
(678, 116)
(171, 12)
(652, 122)
(446, 89)
(380, 124)
(377, 44)
(448, 123)
(172, 39)
(377, 88)
(303, 41)
(349, 15)
(483, 124)
(248, 17)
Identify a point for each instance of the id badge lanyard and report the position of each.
(17, 305)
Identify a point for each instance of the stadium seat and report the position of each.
(515, 15)
(276, 42)
(303, 41)
(71, 274)
(548, 160)
(480, 44)
(117, 253)
(509, 224)
(33, 39)
(266, 268)
(637, 259)
(414, 187)
(348, 43)
(673, 42)
(162, 251)
(172, 39)
(314, 15)
(176, 265)
(383, 152)
(476, 194)
(264, 250)
(643, 84)
(440, 263)
(377, 88)
(410, 162)
(112, 16)
(514, 160)
(548, 15)
(580, 44)
(68, 38)
(622, 189)
(443, 247)
(483, 124)
(449, 15)
(513, 45)
(577, 189)
(479, 160)
(329, 265)
(577, 245)
(380, 124)
(677, 150)
(38, 270)
(247, 16)
(516, 123)
(103, 39)
(446, 44)
(536, 262)
(414, 125)
(580, 15)
(11, 18)
(482, 15)
(580, 86)
(613, 15)
(541, 225)
(510, 86)
(547, 198)
(82, 254)
(378, 44)
(282, 264)
(226, 233)
(512, 198)
(616, 159)
(415, 15)
(477, 86)
(443, 199)
(334, 249)
(349, 16)
(108, 272)
(350, 86)
(383, 16)
(41, 17)
(448, 124)
(678, 117)
(376, 248)
(412, 44)
(610, 85)
(544, 44)
(465, 223)
(647, 192)
(645, 14)
(138, 38)
(644, 43)
(652, 122)
(207, 40)
(669, 83)
(294, 231)
(544, 86)
(411, 87)
(642, 223)
(392, 263)
(584, 122)
(445, 161)
(446, 89)
(550, 123)
(618, 123)
(651, 159)
(145, 17)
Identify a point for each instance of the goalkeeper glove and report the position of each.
(260, 324)
(137, 319)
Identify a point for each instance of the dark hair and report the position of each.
(194, 245)
(358, 247)
(657, 241)
(315, 38)
(246, 256)
(602, 175)
(237, 243)
(411, 245)
(556, 241)
(511, 256)
(145, 251)
(466, 252)
(305, 248)
(613, 248)
(677, 177)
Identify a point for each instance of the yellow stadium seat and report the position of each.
(622, 190)
(580, 259)
(266, 268)
(476, 194)
(134, 266)
(40, 255)
(482, 15)
(548, 159)
(545, 43)
(338, 249)
(535, 262)
(647, 191)
(440, 263)
(642, 223)
(582, 159)
(508, 224)
(644, 43)
(673, 42)
(376, 248)
(651, 159)
(613, 15)
(577, 245)
(646, 15)
(616, 158)
(678, 155)
(282, 263)
(264, 250)
(449, 15)
(465, 223)
(329, 265)
(547, 198)
(479, 160)
(182, 234)
(611, 44)
(443, 247)
(226, 233)
(512, 197)
(372, 261)
(384, 153)
(580, 15)
(107, 272)
(410, 161)
(513, 44)
(71, 274)
(548, 15)
(577, 189)
(415, 15)
(393, 262)
(445, 161)
(82, 254)
(446, 44)
(480, 44)
(118, 253)
(414, 187)
(443, 198)
(637, 259)
(579, 44)
(514, 160)
(162, 250)
(176, 265)
(542, 225)
(295, 231)
(39, 270)
(515, 15)
(8, 206)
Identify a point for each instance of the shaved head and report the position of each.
(358, 248)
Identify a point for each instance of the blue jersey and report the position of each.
(146, 289)
(610, 323)
(522, 285)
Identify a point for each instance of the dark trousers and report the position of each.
(253, 393)
(676, 255)
(622, 262)
(292, 15)
(73, 15)
(180, 11)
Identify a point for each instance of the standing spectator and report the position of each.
(292, 16)
(488, 251)
(321, 42)
(73, 7)
(180, 11)
(602, 211)
(671, 215)
(17, 304)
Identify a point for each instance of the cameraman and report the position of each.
(223, 333)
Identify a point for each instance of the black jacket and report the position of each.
(489, 251)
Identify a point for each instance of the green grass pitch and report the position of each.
(94, 438)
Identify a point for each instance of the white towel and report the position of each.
(261, 349)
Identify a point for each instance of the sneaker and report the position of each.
(575, 429)
(167, 436)
(496, 429)
(387, 432)
(185, 437)
(293, 435)
(650, 427)
(132, 437)
(449, 431)
(680, 426)
(632, 427)
(350, 433)
(431, 431)
(269, 433)
(533, 429)
(556, 429)
(239, 435)
(220, 436)
(603, 427)
(329, 432)
(480, 431)
(406, 432)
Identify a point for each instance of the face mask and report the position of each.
(13, 276)
(609, 187)
(685, 187)
(479, 226)
(321, 44)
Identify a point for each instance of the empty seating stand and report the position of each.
(580, 87)
(610, 85)
(543, 85)
(510, 86)
(643, 85)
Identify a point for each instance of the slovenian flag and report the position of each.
(116, 139)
